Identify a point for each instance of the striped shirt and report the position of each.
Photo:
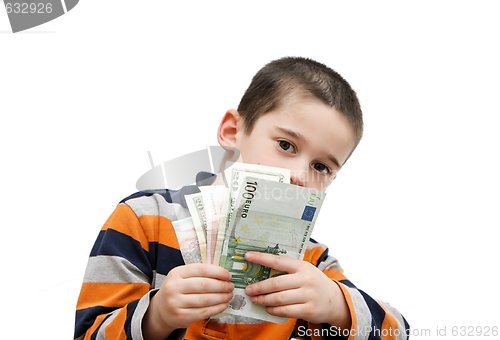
(137, 247)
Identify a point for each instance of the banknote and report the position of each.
(235, 175)
(214, 198)
(197, 211)
(269, 217)
(188, 241)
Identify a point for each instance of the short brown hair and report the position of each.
(281, 77)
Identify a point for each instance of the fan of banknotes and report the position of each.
(258, 210)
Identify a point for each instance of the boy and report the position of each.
(296, 114)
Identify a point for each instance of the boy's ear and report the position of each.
(229, 127)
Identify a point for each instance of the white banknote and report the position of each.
(188, 241)
(215, 197)
(196, 209)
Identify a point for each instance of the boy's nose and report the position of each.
(298, 178)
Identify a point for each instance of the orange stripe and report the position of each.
(124, 220)
(390, 324)
(95, 325)
(116, 329)
(334, 274)
(159, 229)
(354, 322)
(110, 294)
(204, 329)
(313, 255)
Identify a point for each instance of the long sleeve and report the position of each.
(371, 319)
(122, 274)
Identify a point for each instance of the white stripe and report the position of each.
(164, 176)
(64, 6)
(210, 160)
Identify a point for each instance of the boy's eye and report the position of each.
(320, 167)
(286, 146)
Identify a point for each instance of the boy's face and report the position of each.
(303, 134)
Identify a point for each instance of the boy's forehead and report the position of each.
(309, 120)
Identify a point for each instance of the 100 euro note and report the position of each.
(235, 176)
(269, 217)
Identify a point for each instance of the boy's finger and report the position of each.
(204, 270)
(274, 284)
(289, 311)
(205, 300)
(281, 263)
(197, 285)
(204, 312)
(284, 298)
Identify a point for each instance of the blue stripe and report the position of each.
(407, 326)
(378, 315)
(114, 243)
(323, 257)
(128, 322)
(147, 193)
(171, 196)
(94, 335)
(348, 283)
(85, 318)
(170, 258)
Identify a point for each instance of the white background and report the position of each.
(412, 216)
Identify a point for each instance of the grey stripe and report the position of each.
(81, 337)
(397, 315)
(330, 263)
(156, 205)
(101, 335)
(140, 310)
(172, 211)
(145, 205)
(234, 319)
(138, 316)
(117, 270)
(158, 280)
(363, 314)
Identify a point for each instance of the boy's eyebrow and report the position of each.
(297, 135)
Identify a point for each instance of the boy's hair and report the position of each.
(284, 76)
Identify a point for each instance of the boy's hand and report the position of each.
(304, 293)
(189, 293)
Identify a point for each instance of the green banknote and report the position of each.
(269, 217)
(235, 176)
